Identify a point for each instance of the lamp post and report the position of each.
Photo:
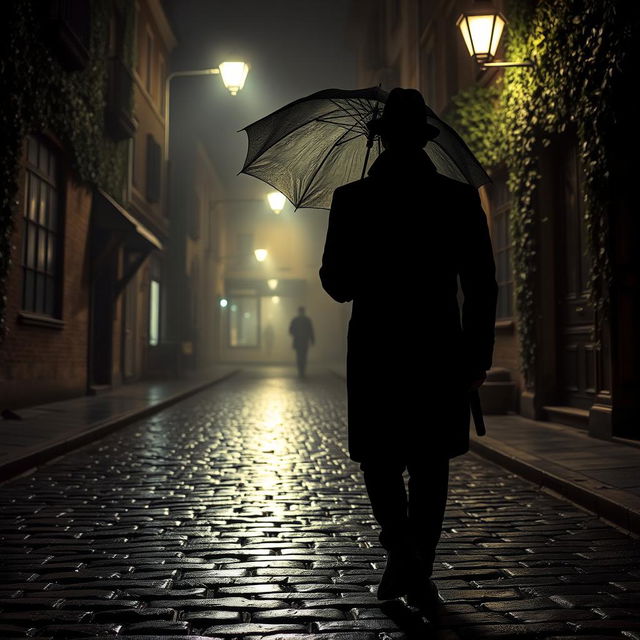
(482, 30)
(233, 76)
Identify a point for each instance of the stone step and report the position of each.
(571, 416)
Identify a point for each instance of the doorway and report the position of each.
(576, 351)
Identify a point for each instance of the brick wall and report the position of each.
(41, 364)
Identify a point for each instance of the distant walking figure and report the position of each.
(398, 240)
(301, 329)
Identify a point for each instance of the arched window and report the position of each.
(41, 237)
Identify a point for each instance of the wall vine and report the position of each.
(37, 94)
(578, 47)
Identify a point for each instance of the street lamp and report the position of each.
(276, 201)
(482, 30)
(233, 76)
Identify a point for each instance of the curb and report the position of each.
(608, 503)
(39, 455)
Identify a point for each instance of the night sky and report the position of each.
(294, 48)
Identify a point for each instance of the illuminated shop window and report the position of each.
(244, 322)
(154, 313)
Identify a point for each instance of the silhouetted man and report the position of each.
(399, 240)
(301, 329)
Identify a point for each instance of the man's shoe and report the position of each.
(425, 597)
(396, 579)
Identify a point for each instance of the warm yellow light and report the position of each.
(481, 33)
(275, 299)
(261, 254)
(276, 201)
(233, 75)
(272, 283)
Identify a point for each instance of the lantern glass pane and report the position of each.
(497, 34)
(463, 25)
(481, 28)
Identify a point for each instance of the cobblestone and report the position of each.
(237, 514)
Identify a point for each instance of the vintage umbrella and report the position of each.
(313, 145)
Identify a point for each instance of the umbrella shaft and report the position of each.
(366, 158)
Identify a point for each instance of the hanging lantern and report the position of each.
(482, 32)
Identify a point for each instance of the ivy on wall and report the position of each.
(578, 48)
(37, 94)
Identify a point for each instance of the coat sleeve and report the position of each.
(478, 281)
(336, 272)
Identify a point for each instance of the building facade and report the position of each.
(88, 223)
(195, 283)
(585, 369)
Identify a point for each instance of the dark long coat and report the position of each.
(396, 245)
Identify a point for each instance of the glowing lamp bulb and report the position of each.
(276, 201)
(234, 75)
(261, 254)
(272, 284)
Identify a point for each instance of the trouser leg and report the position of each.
(428, 486)
(301, 360)
(385, 486)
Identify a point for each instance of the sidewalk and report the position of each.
(602, 476)
(50, 430)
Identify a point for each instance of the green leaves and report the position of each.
(578, 48)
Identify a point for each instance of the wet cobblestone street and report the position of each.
(237, 514)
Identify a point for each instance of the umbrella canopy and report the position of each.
(311, 146)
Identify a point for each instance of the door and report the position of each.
(102, 314)
(129, 333)
(577, 358)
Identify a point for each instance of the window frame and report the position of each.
(47, 311)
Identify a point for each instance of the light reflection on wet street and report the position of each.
(237, 513)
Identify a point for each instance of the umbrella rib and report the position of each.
(351, 110)
(341, 142)
(315, 173)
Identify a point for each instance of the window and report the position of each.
(149, 62)
(154, 313)
(501, 240)
(154, 169)
(244, 322)
(161, 79)
(41, 260)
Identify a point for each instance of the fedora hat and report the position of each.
(404, 115)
